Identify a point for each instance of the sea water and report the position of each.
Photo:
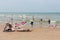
(18, 16)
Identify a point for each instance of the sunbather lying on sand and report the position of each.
(8, 27)
(18, 27)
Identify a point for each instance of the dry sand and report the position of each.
(36, 34)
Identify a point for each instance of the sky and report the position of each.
(29, 5)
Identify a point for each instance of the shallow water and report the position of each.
(19, 16)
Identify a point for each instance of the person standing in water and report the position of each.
(41, 22)
(32, 21)
(49, 21)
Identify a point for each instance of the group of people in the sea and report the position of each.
(19, 27)
(50, 23)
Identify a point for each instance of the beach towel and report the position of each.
(19, 26)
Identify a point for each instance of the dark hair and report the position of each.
(41, 19)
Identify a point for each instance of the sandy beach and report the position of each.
(39, 19)
(36, 34)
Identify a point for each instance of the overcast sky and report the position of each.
(29, 5)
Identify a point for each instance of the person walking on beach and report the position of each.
(55, 25)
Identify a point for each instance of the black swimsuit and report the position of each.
(31, 23)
